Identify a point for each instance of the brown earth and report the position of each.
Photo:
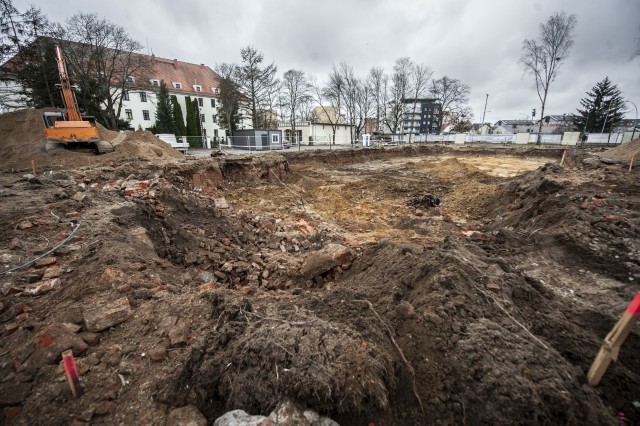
(624, 152)
(249, 280)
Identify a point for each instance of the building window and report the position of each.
(177, 85)
(125, 95)
(202, 117)
(197, 88)
(130, 79)
(215, 90)
(129, 114)
(200, 102)
(145, 114)
(214, 119)
(213, 103)
(143, 97)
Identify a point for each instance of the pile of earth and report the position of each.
(23, 140)
(624, 152)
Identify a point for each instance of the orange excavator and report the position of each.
(69, 129)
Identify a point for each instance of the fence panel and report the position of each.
(605, 138)
(492, 138)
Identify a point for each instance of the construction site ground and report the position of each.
(428, 285)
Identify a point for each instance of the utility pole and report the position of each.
(485, 108)
(606, 117)
(635, 122)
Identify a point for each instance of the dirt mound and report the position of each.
(23, 140)
(141, 145)
(260, 353)
(576, 215)
(623, 152)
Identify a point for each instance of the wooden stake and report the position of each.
(612, 343)
(33, 167)
(564, 154)
(631, 162)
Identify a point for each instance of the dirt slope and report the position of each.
(623, 152)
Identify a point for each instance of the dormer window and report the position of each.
(177, 85)
(155, 82)
(197, 88)
(215, 90)
(130, 79)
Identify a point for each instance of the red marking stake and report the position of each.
(72, 373)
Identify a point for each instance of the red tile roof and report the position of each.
(188, 75)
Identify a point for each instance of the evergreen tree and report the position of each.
(197, 121)
(181, 128)
(603, 108)
(164, 111)
(190, 122)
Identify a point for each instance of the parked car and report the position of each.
(286, 144)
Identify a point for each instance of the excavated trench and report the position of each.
(461, 328)
(314, 278)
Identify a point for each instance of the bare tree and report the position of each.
(451, 94)
(420, 78)
(105, 64)
(377, 81)
(543, 57)
(365, 106)
(256, 82)
(350, 93)
(230, 97)
(400, 87)
(296, 91)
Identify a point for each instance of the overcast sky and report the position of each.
(475, 41)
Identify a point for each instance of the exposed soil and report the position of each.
(249, 280)
(624, 152)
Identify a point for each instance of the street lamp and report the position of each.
(635, 122)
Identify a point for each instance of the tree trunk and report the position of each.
(544, 101)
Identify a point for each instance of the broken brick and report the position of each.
(106, 314)
(45, 261)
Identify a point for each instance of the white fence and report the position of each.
(605, 138)
(245, 144)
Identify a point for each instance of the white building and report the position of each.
(183, 80)
(309, 133)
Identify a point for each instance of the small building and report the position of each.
(556, 123)
(256, 139)
(627, 125)
(513, 126)
(310, 133)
